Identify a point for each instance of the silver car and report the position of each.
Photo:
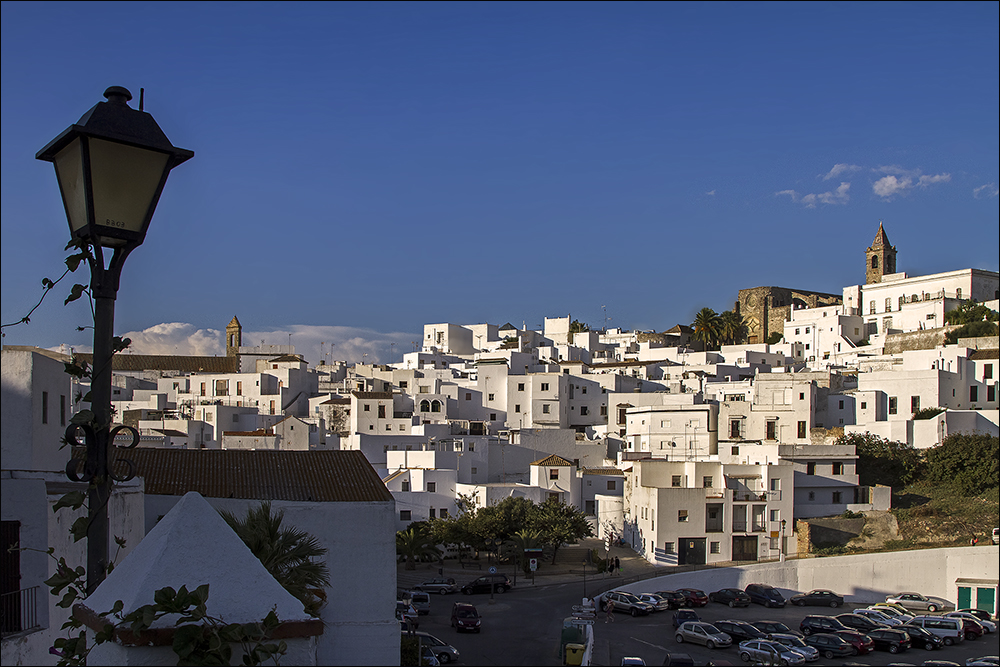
(439, 586)
(769, 653)
(920, 602)
(659, 603)
(795, 643)
(878, 616)
(702, 633)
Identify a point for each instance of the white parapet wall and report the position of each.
(862, 578)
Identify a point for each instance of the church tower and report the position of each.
(234, 338)
(880, 258)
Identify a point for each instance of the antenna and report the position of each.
(142, 92)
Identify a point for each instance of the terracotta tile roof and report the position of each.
(552, 461)
(603, 471)
(322, 476)
(169, 362)
(985, 354)
(372, 394)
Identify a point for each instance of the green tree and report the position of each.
(706, 327)
(414, 544)
(971, 330)
(559, 523)
(525, 539)
(288, 553)
(883, 461)
(732, 328)
(576, 326)
(774, 338)
(967, 462)
(969, 312)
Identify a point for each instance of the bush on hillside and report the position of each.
(968, 462)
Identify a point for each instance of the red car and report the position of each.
(861, 643)
(694, 597)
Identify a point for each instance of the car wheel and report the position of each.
(443, 658)
(745, 657)
(806, 631)
(834, 604)
(854, 651)
(679, 638)
(635, 612)
(828, 655)
(732, 603)
(501, 589)
(932, 608)
(948, 641)
(893, 648)
(443, 592)
(466, 591)
(709, 644)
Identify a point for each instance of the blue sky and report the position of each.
(362, 169)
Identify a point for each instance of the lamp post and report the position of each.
(782, 545)
(111, 167)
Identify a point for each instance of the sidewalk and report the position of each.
(567, 568)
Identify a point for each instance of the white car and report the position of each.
(879, 617)
(892, 612)
(919, 602)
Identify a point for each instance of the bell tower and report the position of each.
(880, 258)
(234, 338)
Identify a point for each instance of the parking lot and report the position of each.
(652, 638)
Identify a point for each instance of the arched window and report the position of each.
(902, 300)
(874, 261)
(888, 304)
(958, 293)
(425, 405)
(435, 406)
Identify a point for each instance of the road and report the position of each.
(523, 627)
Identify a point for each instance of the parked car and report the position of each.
(739, 631)
(830, 646)
(465, 616)
(675, 598)
(950, 630)
(919, 602)
(891, 612)
(428, 658)
(895, 607)
(996, 536)
(981, 614)
(879, 616)
(813, 624)
(702, 633)
(439, 586)
(734, 597)
(407, 615)
(498, 583)
(633, 661)
(626, 602)
(768, 653)
(860, 642)
(818, 598)
(888, 639)
(694, 597)
(983, 661)
(684, 659)
(769, 596)
(859, 622)
(774, 627)
(988, 625)
(796, 643)
(659, 602)
(421, 602)
(444, 652)
(921, 638)
(682, 616)
(972, 627)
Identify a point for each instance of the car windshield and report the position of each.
(710, 629)
(793, 641)
(467, 613)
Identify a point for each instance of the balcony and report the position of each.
(19, 611)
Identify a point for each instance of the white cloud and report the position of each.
(986, 191)
(839, 169)
(839, 196)
(349, 344)
(711, 193)
(899, 180)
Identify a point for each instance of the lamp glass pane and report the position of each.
(125, 180)
(69, 173)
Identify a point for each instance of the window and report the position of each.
(810, 468)
(604, 411)
(973, 394)
(381, 412)
(734, 428)
(807, 329)
(775, 515)
(468, 396)
(443, 512)
(491, 397)
(545, 408)
(837, 497)
(545, 386)
(435, 406)
(871, 310)
(914, 404)
(713, 547)
(802, 429)
(668, 547)
(675, 481)
(45, 407)
(796, 332)
(431, 487)
(682, 516)
(388, 427)
(838, 468)
(802, 396)
(892, 405)
(812, 495)
(584, 411)
(888, 304)
(368, 408)
(403, 384)
(864, 405)
(425, 405)
(493, 416)
(475, 470)
(611, 485)
(236, 419)
(583, 390)
(706, 482)
(517, 408)
(520, 386)
(841, 405)
(735, 451)
(988, 372)
(222, 387)
(62, 410)
(554, 473)
(404, 515)
(771, 430)
(775, 484)
(991, 393)
(432, 513)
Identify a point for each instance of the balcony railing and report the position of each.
(19, 611)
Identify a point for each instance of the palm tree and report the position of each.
(525, 539)
(414, 545)
(287, 553)
(731, 327)
(706, 327)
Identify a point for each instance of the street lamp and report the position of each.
(111, 167)
(782, 545)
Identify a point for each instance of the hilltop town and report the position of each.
(697, 445)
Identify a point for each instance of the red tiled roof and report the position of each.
(163, 362)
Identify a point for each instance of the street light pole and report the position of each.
(111, 167)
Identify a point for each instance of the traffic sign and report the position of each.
(533, 564)
(493, 569)
(583, 621)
